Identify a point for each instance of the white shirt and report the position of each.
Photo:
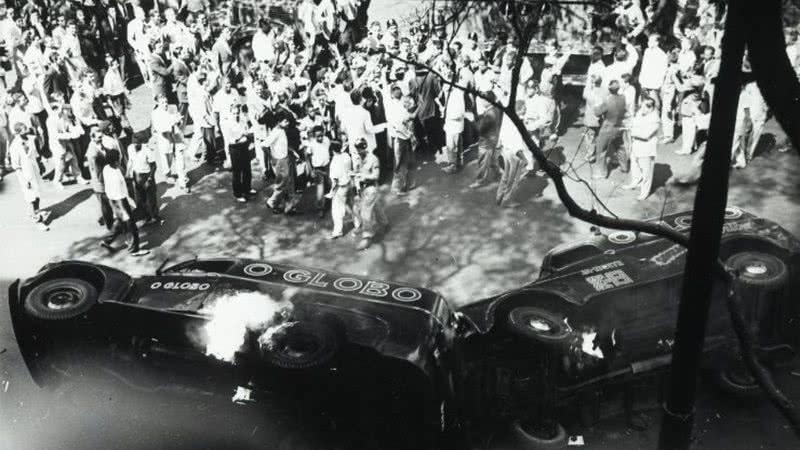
(277, 142)
(645, 126)
(263, 46)
(686, 60)
(398, 119)
(140, 161)
(454, 112)
(358, 124)
(136, 35)
(341, 166)
(320, 152)
(654, 67)
(114, 180)
(596, 69)
(163, 120)
(233, 131)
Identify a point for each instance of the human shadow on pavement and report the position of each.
(661, 173)
(62, 208)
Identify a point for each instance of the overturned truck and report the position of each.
(374, 364)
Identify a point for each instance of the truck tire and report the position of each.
(537, 324)
(60, 299)
(521, 435)
(303, 346)
(759, 269)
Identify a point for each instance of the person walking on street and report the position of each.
(142, 169)
(370, 203)
(283, 190)
(23, 160)
(96, 161)
(122, 205)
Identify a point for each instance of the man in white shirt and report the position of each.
(370, 204)
(282, 164)
(400, 118)
(264, 42)
(236, 134)
(139, 42)
(122, 205)
(318, 153)
(358, 123)
(653, 70)
(625, 59)
(166, 129)
(10, 35)
(142, 170)
(644, 135)
(202, 114)
(454, 112)
(340, 175)
(597, 68)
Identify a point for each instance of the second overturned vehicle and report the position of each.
(376, 364)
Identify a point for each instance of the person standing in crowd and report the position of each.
(454, 112)
(517, 160)
(400, 119)
(653, 70)
(142, 170)
(593, 95)
(425, 88)
(370, 203)
(340, 174)
(688, 111)
(612, 110)
(318, 149)
(23, 160)
(710, 64)
(358, 123)
(161, 70)
(202, 115)
(96, 161)
(138, 40)
(166, 130)
(668, 95)
(235, 131)
(122, 206)
(644, 133)
(282, 164)
(625, 59)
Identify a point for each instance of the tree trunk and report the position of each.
(704, 240)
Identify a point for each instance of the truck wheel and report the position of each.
(532, 436)
(303, 346)
(759, 269)
(538, 324)
(60, 299)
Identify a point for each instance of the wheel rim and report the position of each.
(756, 268)
(299, 347)
(62, 298)
(543, 326)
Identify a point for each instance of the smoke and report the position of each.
(235, 314)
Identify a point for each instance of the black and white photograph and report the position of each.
(399, 224)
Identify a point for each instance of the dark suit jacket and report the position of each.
(161, 70)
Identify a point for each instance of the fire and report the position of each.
(236, 313)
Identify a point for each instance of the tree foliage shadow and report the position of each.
(443, 236)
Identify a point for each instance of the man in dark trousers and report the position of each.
(612, 111)
(425, 88)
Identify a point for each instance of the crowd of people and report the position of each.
(332, 106)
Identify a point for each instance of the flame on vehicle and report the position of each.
(236, 314)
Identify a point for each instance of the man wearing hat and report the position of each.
(370, 204)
